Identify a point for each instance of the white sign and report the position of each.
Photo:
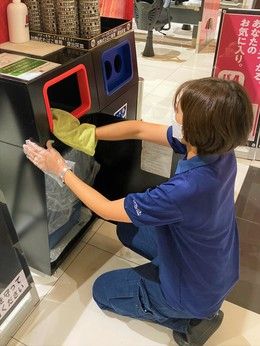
(156, 159)
(12, 293)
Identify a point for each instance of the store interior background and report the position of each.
(66, 313)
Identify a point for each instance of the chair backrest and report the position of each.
(147, 12)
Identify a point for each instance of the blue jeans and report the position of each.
(136, 292)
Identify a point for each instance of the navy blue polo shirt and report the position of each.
(197, 238)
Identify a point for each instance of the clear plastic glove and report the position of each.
(48, 160)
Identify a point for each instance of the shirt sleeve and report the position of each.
(176, 145)
(153, 207)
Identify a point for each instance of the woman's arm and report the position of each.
(50, 161)
(108, 210)
(134, 129)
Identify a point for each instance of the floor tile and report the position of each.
(164, 92)
(248, 202)
(171, 38)
(184, 73)
(246, 291)
(240, 327)
(44, 283)
(14, 342)
(165, 56)
(176, 30)
(152, 77)
(70, 305)
(202, 61)
(242, 169)
(92, 230)
(157, 105)
(68, 315)
(160, 96)
(244, 161)
(255, 164)
(91, 327)
(157, 109)
(106, 238)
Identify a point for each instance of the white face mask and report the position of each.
(177, 130)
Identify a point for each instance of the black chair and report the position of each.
(153, 14)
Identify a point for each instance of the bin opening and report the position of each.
(69, 91)
(117, 67)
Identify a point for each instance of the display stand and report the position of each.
(208, 23)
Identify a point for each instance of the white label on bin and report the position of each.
(23, 67)
(12, 293)
(156, 159)
(121, 112)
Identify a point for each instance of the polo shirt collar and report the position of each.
(185, 165)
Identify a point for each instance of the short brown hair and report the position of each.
(217, 114)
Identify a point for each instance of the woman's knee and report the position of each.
(99, 291)
(126, 233)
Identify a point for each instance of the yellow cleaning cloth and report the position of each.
(68, 130)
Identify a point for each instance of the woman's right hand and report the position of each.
(48, 160)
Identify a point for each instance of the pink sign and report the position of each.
(238, 56)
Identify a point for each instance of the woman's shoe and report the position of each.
(197, 335)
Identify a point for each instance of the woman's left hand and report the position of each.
(48, 160)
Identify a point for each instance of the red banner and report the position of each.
(238, 56)
(3, 21)
(123, 9)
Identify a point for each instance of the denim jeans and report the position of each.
(136, 292)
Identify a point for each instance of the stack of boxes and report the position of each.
(47, 13)
(89, 18)
(35, 14)
(76, 18)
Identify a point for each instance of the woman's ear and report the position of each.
(179, 114)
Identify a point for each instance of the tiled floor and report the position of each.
(246, 292)
(67, 314)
